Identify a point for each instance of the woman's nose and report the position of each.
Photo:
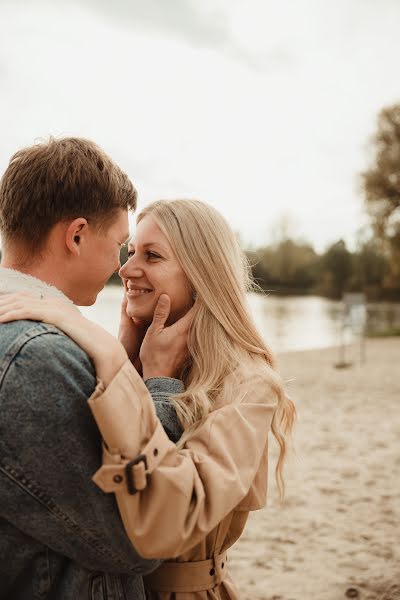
(130, 269)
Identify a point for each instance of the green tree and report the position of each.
(287, 266)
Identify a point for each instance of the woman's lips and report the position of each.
(135, 293)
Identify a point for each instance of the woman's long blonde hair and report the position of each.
(223, 339)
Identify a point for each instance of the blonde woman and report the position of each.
(186, 503)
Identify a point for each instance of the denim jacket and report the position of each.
(61, 537)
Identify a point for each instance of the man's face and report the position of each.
(98, 260)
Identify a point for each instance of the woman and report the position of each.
(189, 501)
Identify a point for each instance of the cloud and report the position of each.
(199, 24)
(204, 24)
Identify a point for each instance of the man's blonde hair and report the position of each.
(224, 344)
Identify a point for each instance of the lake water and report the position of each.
(286, 323)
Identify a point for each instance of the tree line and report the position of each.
(291, 267)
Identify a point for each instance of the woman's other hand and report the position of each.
(131, 334)
(107, 353)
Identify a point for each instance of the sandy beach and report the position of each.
(338, 535)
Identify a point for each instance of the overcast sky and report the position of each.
(261, 108)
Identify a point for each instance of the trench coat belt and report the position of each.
(132, 476)
(188, 576)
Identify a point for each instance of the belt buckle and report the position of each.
(130, 479)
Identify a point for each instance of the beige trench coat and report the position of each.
(191, 504)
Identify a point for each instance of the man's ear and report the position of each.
(73, 235)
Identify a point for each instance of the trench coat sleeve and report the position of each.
(191, 490)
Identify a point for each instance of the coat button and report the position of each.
(117, 478)
(212, 572)
(155, 451)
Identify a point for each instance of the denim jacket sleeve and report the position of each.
(160, 389)
(49, 449)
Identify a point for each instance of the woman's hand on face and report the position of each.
(131, 334)
(164, 350)
(107, 353)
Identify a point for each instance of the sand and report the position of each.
(338, 535)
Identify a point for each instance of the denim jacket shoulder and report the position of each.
(67, 531)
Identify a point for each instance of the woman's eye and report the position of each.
(148, 254)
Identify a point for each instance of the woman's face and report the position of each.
(153, 269)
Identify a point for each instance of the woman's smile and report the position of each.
(134, 291)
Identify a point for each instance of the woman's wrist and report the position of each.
(108, 364)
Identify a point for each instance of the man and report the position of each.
(63, 219)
